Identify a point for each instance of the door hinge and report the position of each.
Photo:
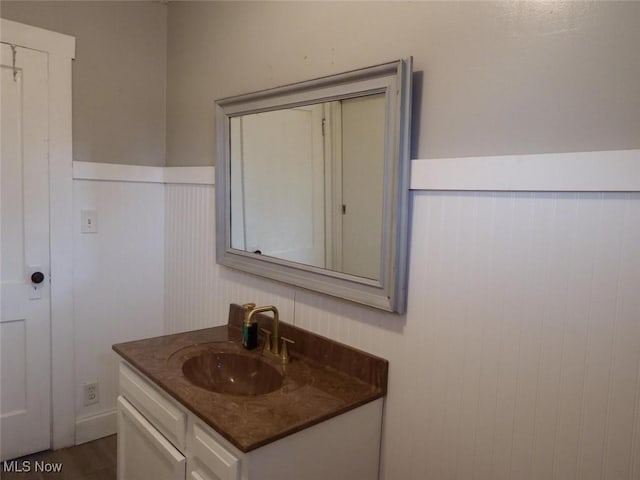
(324, 122)
(344, 209)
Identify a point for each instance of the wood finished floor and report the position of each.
(90, 461)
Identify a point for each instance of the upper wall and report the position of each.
(119, 75)
(493, 78)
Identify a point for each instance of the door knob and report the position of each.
(37, 278)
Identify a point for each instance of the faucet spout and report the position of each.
(275, 339)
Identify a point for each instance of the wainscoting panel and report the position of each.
(198, 291)
(519, 354)
(118, 282)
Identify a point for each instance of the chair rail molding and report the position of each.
(601, 171)
(115, 172)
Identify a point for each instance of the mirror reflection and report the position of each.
(307, 184)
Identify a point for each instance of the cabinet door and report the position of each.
(143, 453)
(163, 414)
(208, 460)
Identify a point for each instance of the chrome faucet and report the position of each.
(272, 342)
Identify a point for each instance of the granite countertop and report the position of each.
(323, 379)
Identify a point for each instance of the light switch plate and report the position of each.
(89, 221)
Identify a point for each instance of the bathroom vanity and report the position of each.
(317, 417)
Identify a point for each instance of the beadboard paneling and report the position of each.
(197, 290)
(519, 354)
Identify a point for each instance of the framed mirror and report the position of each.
(312, 184)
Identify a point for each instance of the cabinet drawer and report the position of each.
(208, 460)
(159, 410)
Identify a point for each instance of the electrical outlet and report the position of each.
(91, 393)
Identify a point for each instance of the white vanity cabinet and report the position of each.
(159, 439)
(154, 442)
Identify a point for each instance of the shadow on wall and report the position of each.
(416, 100)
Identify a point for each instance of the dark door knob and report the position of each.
(37, 277)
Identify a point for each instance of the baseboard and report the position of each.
(96, 426)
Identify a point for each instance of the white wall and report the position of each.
(118, 281)
(119, 74)
(494, 78)
(518, 356)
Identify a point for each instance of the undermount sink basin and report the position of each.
(232, 373)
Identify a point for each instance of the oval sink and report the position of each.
(232, 373)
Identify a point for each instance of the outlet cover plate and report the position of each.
(91, 394)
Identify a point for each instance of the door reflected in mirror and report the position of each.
(307, 184)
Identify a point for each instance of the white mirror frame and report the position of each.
(394, 79)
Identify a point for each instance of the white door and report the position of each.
(363, 127)
(25, 360)
(278, 184)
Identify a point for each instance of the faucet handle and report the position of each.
(284, 353)
(267, 342)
